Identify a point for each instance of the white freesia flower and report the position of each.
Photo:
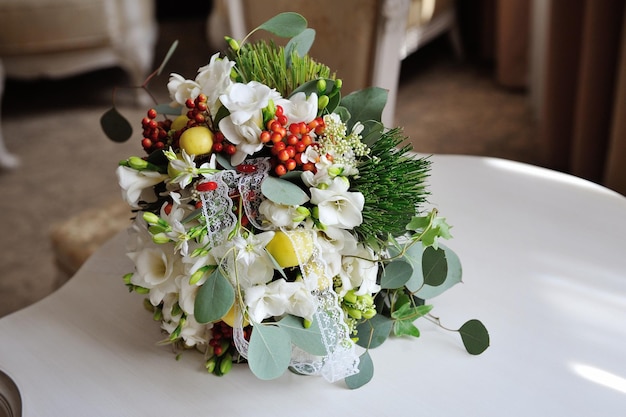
(181, 89)
(333, 242)
(337, 206)
(279, 215)
(156, 268)
(185, 169)
(253, 264)
(192, 332)
(214, 80)
(277, 298)
(298, 108)
(359, 272)
(137, 185)
(242, 127)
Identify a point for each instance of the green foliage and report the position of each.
(286, 25)
(396, 274)
(267, 63)
(269, 352)
(284, 192)
(475, 337)
(418, 283)
(214, 299)
(404, 318)
(308, 338)
(366, 372)
(373, 332)
(115, 126)
(364, 105)
(393, 184)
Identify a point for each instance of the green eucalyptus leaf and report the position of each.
(372, 131)
(269, 352)
(365, 374)
(285, 25)
(300, 44)
(223, 161)
(366, 104)
(308, 339)
(214, 298)
(166, 108)
(373, 332)
(434, 266)
(343, 113)
(417, 285)
(169, 54)
(475, 337)
(115, 126)
(283, 192)
(395, 274)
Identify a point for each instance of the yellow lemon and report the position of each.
(229, 318)
(179, 122)
(197, 140)
(287, 249)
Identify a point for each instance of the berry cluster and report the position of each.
(287, 142)
(155, 133)
(224, 352)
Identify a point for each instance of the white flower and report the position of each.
(299, 108)
(245, 136)
(279, 215)
(133, 184)
(333, 242)
(156, 268)
(277, 298)
(185, 169)
(245, 101)
(214, 80)
(251, 263)
(181, 89)
(359, 272)
(337, 206)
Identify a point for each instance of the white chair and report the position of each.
(61, 38)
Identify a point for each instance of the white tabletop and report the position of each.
(544, 257)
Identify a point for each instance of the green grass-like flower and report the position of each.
(393, 184)
(266, 63)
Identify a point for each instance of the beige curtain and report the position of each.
(583, 118)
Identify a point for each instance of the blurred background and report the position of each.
(537, 81)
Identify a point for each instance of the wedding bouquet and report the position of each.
(279, 223)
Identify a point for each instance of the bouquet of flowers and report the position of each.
(279, 223)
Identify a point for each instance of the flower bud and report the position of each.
(354, 313)
(141, 290)
(160, 238)
(321, 86)
(210, 364)
(127, 278)
(226, 364)
(369, 313)
(335, 171)
(137, 163)
(350, 297)
(322, 102)
(233, 44)
(303, 210)
(307, 323)
(150, 217)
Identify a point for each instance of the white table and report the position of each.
(544, 258)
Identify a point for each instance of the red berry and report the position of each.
(290, 164)
(282, 119)
(265, 136)
(146, 143)
(199, 118)
(300, 147)
(280, 170)
(152, 114)
(279, 111)
(291, 151)
(189, 103)
(276, 137)
(283, 155)
(230, 149)
(201, 106)
(201, 98)
(292, 139)
(218, 147)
